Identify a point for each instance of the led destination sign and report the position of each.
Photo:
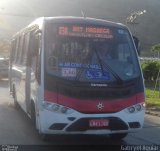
(90, 32)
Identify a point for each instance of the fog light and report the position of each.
(131, 109)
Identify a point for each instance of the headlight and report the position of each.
(131, 109)
(66, 110)
(136, 108)
(56, 108)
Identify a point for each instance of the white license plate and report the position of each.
(98, 123)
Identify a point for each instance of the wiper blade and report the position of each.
(103, 64)
(117, 77)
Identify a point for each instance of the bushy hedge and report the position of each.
(150, 70)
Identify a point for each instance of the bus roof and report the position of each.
(71, 19)
(87, 20)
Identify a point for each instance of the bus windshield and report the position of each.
(90, 53)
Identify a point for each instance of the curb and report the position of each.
(153, 113)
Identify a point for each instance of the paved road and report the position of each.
(16, 128)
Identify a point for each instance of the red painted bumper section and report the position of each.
(91, 106)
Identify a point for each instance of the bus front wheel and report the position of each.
(44, 137)
(33, 114)
(15, 98)
(118, 136)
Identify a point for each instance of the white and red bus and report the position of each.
(76, 75)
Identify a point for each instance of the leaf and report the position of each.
(155, 48)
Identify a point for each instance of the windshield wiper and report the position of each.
(103, 64)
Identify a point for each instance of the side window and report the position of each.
(35, 54)
(31, 46)
(25, 48)
(16, 49)
(12, 50)
(33, 49)
(20, 49)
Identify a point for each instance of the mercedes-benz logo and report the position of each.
(100, 106)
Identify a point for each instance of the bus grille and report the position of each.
(95, 93)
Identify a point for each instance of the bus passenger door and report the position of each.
(31, 84)
(28, 74)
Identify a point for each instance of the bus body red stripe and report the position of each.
(90, 106)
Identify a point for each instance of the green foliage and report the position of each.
(155, 48)
(150, 70)
(152, 98)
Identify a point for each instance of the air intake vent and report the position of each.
(57, 126)
(134, 125)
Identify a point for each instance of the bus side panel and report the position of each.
(19, 74)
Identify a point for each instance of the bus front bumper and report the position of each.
(80, 123)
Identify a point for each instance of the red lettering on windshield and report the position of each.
(63, 30)
(77, 29)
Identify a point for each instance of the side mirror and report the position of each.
(137, 44)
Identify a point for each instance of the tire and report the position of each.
(33, 114)
(44, 137)
(16, 105)
(118, 136)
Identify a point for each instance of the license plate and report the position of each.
(98, 123)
